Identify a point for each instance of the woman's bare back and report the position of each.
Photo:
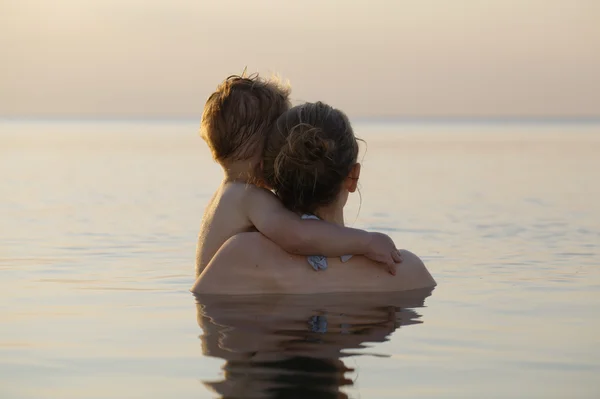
(249, 263)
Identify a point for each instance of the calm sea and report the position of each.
(98, 225)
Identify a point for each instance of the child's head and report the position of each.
(239, 114)
(310, 156)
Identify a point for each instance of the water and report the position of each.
(97, 237)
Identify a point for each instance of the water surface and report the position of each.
(97, 237)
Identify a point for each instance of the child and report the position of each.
(236, 120)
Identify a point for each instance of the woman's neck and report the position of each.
(331, 214)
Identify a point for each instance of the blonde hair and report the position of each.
(240, 113)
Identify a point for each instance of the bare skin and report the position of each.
(238, 206)
(250, 263)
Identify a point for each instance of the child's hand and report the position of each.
(383, 250)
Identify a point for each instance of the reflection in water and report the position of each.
(291, 346)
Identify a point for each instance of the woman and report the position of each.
(310, 161)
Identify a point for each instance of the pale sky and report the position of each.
(367, 57)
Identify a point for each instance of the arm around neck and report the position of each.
(250, 263)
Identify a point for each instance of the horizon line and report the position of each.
(373, 119)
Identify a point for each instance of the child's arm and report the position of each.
(314, 237)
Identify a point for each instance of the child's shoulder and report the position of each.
(244, 196)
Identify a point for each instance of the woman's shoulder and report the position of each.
(413, 269)
(361, 274)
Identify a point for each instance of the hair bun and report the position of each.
(323, 147)
(307, 147)
(309, 155)
(305, 156)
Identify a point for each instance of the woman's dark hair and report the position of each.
(308, 155)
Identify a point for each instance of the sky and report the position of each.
(370, 58)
